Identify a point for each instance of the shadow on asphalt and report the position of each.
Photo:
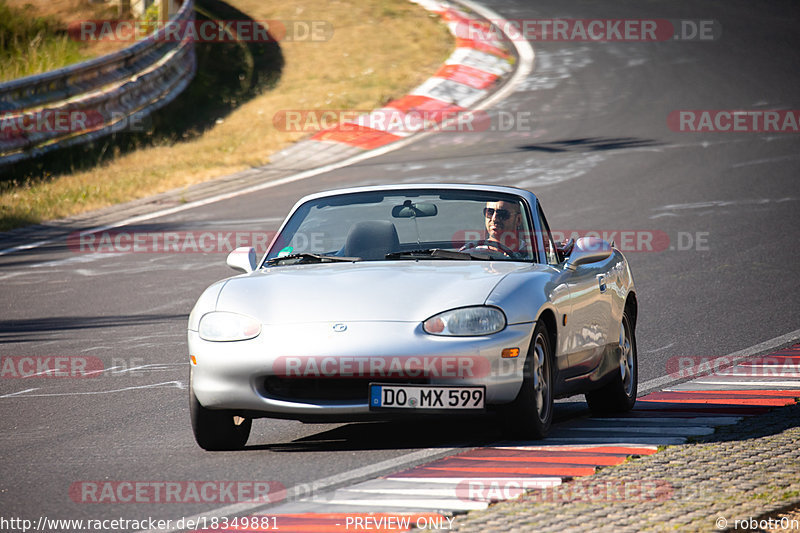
(434, 433)
(485, 431)
(30, 330)
(401, 434)
(591, 144)
(68, 239)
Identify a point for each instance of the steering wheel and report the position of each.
(505, 250)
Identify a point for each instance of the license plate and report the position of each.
(425, 397)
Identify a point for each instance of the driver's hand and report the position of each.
(564, 248)
(496, 247)
(491, 246)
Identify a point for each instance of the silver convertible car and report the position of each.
(413, 300)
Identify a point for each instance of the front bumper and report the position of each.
(257, 376)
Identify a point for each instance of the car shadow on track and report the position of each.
(412, 434)
(393, 435)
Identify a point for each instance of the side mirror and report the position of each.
(242, 259)
(588, 250)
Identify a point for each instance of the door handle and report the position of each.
(601, 280)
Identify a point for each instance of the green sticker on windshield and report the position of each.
(286, 251)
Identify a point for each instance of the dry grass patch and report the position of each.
(34, 36)
(379, 50)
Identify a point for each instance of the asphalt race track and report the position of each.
(597, 150)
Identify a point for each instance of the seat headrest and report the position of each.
(371, 240)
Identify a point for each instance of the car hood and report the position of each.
(390, 290)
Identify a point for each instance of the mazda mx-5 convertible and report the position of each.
(413, 300)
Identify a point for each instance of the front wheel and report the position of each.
(217, 430)
(619, 394)
(531, 413)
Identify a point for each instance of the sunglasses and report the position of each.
(502, 214)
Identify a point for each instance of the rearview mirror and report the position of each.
(588, 250)
(411, 210)
(242, 259)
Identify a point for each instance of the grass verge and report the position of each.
(223, 123)
(30, 44)
(34, 36)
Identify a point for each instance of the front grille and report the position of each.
(310, 389)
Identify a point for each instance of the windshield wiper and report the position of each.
(306, 257)
(438, 253)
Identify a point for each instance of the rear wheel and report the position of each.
(217, 430)
(619, 395)
(531, 413)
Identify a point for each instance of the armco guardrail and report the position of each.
(85, 101)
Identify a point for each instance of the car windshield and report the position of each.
(409, 224)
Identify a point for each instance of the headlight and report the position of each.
(224, 326)
(466, 321)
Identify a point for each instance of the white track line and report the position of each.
(669, 430)
(792, 384)
(615, 441)
(658, 383)
(431, 504)
(315, 487)
(571, 447)
(678, 421)
(529, 482)
(23, 394)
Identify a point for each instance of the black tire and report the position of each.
(619, 395)
(529, 416)
(217, 430)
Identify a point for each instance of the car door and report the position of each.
(588, 319)
(585, 310)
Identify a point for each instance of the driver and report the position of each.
(503, 221)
